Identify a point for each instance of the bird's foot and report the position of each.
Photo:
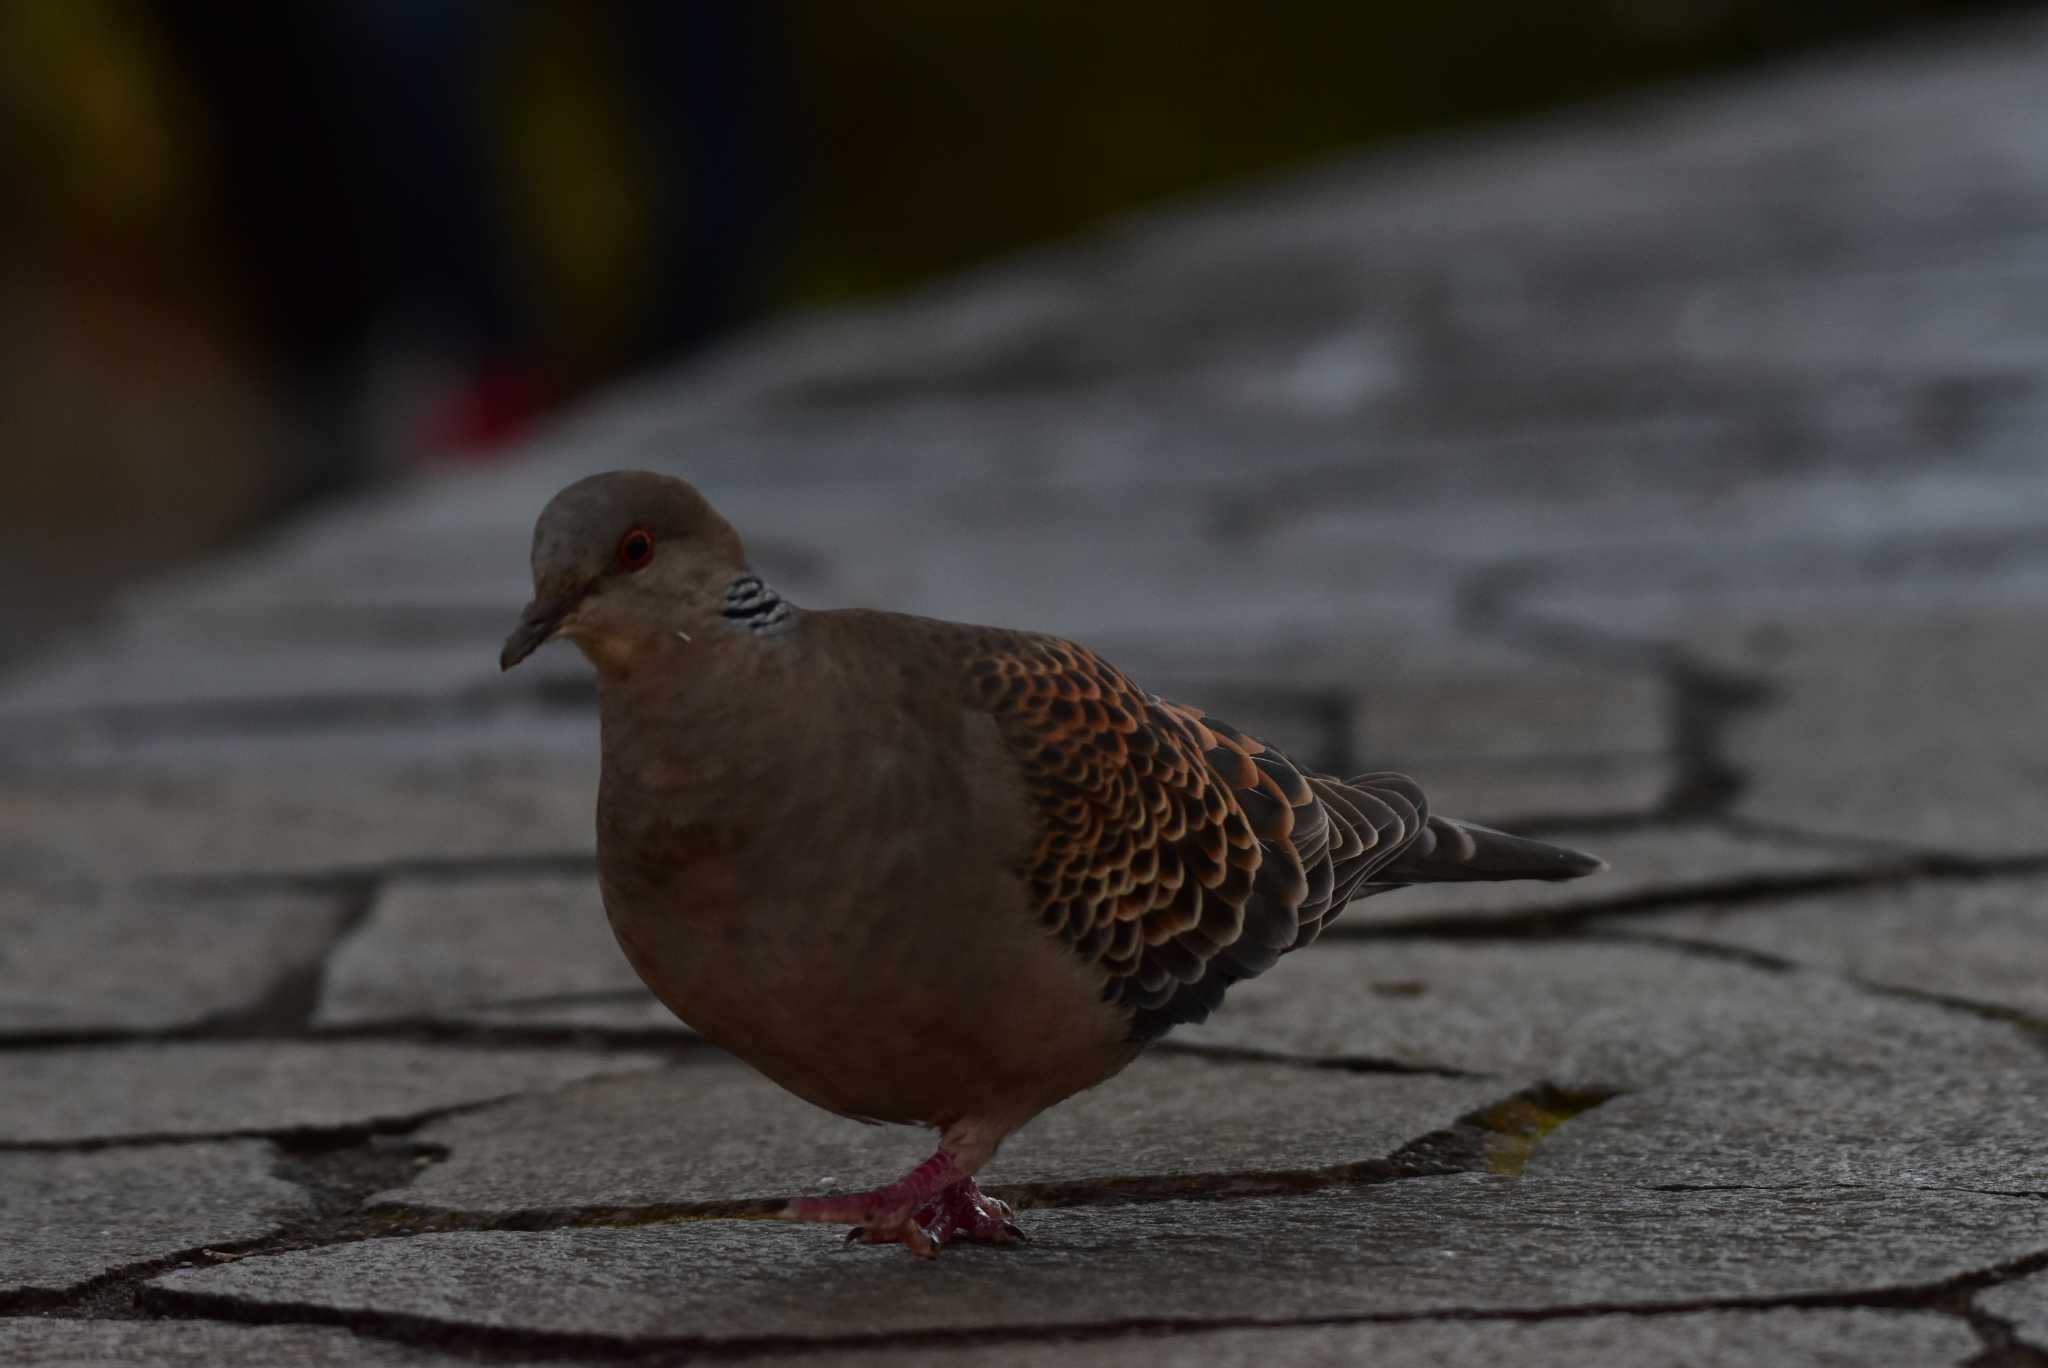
(929, 1207)
(964, 1212)
(887, 1215)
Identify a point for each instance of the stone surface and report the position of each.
(1980, 940)
(432, 950)
(1941, 1127)
(258, 812)
(1665, 862)
(1845, 748)
(1591, 1014)
(1426, 1244)
(714, 1130)
(2023, 1302)
(1507, 705)
(74, 959)
(1848, 750)
(77, 1093)
(71, 1217)
(1496, 790)
(137, 671)
(1707, 1339)
(1409, 698)
(41, 1342)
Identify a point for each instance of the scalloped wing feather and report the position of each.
(1174, 851)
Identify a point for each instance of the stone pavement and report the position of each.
(1672, 478)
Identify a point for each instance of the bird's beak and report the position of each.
(537, 626)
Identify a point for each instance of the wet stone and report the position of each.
(1783, 1339)
(75, 1093)
(1981, 940)
(1667, 862)
(1970, 1129)
(535, 950)
(71, 1217)
(713, 1130)
(80, 960)
(1590, 1014)
(1465, 1243)
(42, 1342)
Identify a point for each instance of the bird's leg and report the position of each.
(934, 1203)
(887, 1215)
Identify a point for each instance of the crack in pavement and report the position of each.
(340, 1170)
(316, 1136)
(2026, 1021)
(289, 1003)
(1950, 1297)
(1358, 1064)
(339, 1175)
(352, 877)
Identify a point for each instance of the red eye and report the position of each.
(636, 548)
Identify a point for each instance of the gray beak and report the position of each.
(536, 626)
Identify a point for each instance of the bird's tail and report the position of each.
(1449, 851)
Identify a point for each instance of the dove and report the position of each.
(928, 873)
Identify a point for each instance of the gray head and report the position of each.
(623, 561)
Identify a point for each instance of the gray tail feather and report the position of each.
(1451, 851)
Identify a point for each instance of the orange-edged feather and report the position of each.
(1174, 851)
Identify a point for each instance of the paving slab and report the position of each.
(71, 1217)
(1981, 940)
(485, 948)
(2024, 1302)
(137, 671)
(295, 807)
(1589, 1014)
(81, 1093)
(1941, 1127)
(1704, 1339)
(1848, 750)
(82, 959)
(44, 1342)
(1465, 1243)
(1543, 789)
(1665, 862)
(1490, 701)
(1848, 746)
(713, 1130)
(1415, 696)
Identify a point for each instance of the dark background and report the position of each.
(256, 253)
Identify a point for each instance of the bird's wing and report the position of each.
(1173, 850)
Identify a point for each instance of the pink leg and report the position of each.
(887, 1215)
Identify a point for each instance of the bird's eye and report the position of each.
(636, 548)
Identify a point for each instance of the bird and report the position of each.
(922, 872)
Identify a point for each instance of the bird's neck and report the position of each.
(753, 607)
(705, 688)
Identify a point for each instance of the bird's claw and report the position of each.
(903, 1230)
(964, 1212)
(960, 1212)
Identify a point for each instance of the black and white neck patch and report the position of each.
(754, 606)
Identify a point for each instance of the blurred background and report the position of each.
(254, 255)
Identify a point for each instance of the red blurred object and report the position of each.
(479, 419)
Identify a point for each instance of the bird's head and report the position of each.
(622, 561)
